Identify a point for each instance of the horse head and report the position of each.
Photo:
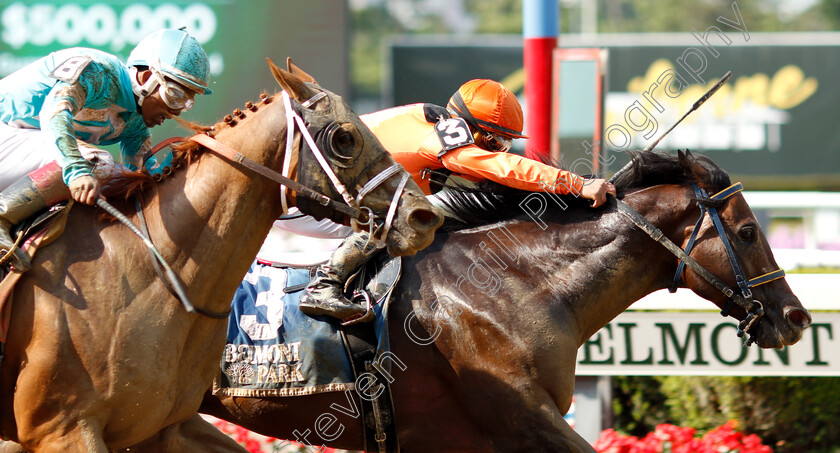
(735, 249)
(373, 181)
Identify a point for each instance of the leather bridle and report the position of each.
(743, 297)
(350, 207)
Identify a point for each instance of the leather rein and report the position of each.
(351, 206)
(743, 297)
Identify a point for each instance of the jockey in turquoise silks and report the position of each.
(55, 109)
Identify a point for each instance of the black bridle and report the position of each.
(743, 297)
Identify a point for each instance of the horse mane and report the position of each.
(489, 202)
(123, 184)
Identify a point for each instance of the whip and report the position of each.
(694, 107)
(176, 283)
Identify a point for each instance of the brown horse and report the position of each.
(486, 322)
(101, 356)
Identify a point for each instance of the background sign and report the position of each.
(238, 35)
(704, 343)
(774, 126)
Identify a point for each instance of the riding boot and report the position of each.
(325, 294)
(26, 197)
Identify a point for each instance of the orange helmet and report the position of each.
(489, 106)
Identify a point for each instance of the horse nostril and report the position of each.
(424, 219)
(798, 317)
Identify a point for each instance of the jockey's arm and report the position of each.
(512, 170)
(56, 117)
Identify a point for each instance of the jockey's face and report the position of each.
(154, 110)
(496, 143)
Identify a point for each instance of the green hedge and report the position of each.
(791, 415)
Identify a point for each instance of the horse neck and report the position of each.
(606, 264)
(215, 215)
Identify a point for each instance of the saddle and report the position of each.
(38, 231)
(275, 350)
(374, 284)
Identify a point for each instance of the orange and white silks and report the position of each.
(410, 138)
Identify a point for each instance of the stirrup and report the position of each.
(361, 297)
(7, 257)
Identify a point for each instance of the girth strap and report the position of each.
(378, 421)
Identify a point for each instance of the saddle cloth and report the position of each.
(273, 349)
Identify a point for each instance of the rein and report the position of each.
(743, 298)
(351, 206)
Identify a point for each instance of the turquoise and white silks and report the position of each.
(69, 95)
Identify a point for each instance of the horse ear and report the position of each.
(692, 167)
(292, 84)
(684, 159)
(295, 69)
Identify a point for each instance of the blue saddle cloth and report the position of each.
(273, 349)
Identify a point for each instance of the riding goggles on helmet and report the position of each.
(494, 142)
(173, 94)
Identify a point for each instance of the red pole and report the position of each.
(540, 30)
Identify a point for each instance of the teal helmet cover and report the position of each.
(175, 54)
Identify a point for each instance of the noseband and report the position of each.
(743, 297)
(351, 203)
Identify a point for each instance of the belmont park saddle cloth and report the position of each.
(275, 350)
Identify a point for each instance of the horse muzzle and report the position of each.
(413, 228)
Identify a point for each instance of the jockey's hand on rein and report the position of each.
(85, 189)
(597, 190)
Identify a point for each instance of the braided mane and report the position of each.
(122, 185)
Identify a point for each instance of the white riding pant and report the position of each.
(25, 150)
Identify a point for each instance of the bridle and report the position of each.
(743, 297)
(351, 206)
(323, 135)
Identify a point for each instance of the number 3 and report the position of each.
(453, 133)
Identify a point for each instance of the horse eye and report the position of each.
(343, 142)
(747, 234)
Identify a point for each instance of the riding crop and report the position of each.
(177, 285)
(694, 107)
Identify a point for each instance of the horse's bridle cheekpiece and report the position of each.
(351, 206)
(743, 297)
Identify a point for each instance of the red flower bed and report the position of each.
(674, 439)
(256, 443)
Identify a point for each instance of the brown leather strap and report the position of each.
(163, 144)
(235, 156)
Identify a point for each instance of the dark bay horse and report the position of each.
(486, 322)
(101, 356)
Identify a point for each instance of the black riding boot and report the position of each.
(325, 294)
(26, 197)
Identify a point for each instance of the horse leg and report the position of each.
(83, 437)
(193, 435)
(519, 414)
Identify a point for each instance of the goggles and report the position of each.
(173, 94)
(495, 142)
